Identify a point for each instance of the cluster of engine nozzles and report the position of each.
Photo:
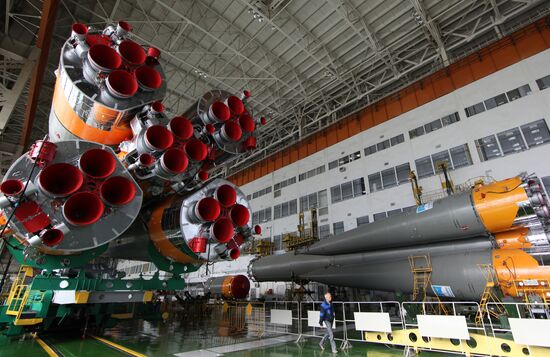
(221, 218)
(534, 191)
(168, 150)
(84, 193)
(122, 63)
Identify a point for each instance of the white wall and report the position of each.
(524, 110)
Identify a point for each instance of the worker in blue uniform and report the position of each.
(326, 318)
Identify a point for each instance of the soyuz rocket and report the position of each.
(118, 176)
(502, 226)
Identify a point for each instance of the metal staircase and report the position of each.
(489, 295)
(18, 297)
(421, 268)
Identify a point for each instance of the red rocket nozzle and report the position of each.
(79, 30)
(263, 120)
(250, 143)
(122, 84)
(117, 191)
(146, 160)
(153, 52)
(103, 58)
(174, 161)
(125, 26)
(247, 94)
(203, 175)
(132, 52)
(97, 163)
(222, 230)
(220, 111)
(83, 208)
(52, 237)
(247, 123)
(157, 107)
(234, 253)
(240, 286)
(257, 229)
(232, 131)
(239, 215)
(60, 179)
(157, 137)
(235, 104)
(210, 129)
(148, 78)
(207, 209)
(196, 150)
(226, 195)
(12, 187)
(181, 127)
(198, 244)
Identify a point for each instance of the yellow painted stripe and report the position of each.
(119, 347)
(45, 346)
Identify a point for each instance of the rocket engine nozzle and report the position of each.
(239, 215)
(235, 105)
(181, 127)
(206, 210)
(132, 52)
(222, 230)
(117, 191)
(12, 187)
(219, 112)
(226, 195)
(196, 150)
(158, 138)
(103, 58)
(60, 180)
(121, 84)
(97, 163)
(83, 208)
(149, 79)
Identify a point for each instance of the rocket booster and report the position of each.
(493, 225)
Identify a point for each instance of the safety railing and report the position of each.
(448, 327)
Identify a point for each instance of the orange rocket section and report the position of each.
(498, 203)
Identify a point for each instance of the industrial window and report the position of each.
(450, 119)
(416, 132)
(311, 173)
(475, 109)
(496, 101)
(338, 227)
(432, 126)
(511, 141)
(261, 216)
(379, 216)
(324, 231)
(394, 212)
(383, 145)
(285, 209)
(284, 183)
(424, 167)
(323, 211)
(277, 242)
(488, 148)
(249, 197)
(397, 139)
(544, 82)
(402, 172)
(344, 160)
(460, 155)
(348, 190)
(442, 157)
(375, 182)
(388, 178)
(314, 200)
(536, 133)
(277, 193)
(370, 150)
(261, 192)
(518, 92)
(335, 194)
(362, 220)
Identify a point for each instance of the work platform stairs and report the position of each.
(18, 298)
(489, 295)
(421, 268)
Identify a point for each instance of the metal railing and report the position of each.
(491, 337)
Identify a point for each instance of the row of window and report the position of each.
(313, 172)
(260, 193)
(454, 158)
(513, 140)
(344, 160)
(434, 125)
(285, 209)
(314, 200)
(498, 100)
(348, 190)
(261, 216)
(389, 178)
(383, 145)
(284, 183)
